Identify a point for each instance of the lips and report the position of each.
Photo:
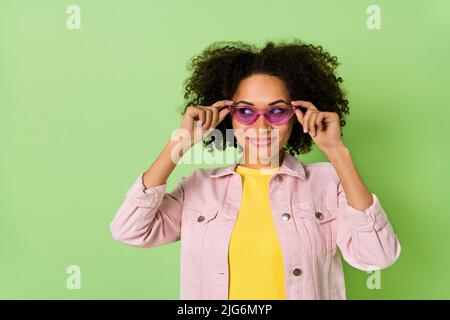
(261, 141)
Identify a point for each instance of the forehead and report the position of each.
(261, 89)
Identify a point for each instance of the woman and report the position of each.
(267, 226)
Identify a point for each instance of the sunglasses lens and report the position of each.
(245, 115)
(278, 115)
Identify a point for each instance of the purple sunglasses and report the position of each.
(248, 115)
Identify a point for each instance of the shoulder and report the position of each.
(321, 169)
(198, 175)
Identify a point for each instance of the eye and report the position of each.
(245, 111)
(277, 110)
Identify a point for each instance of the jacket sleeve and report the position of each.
(366, 238)
(149, 217)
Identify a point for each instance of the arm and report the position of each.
(356, 192)
(365, 236)
(149, 216)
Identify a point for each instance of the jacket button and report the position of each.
(319, 215)
(296, 272)
(278, 178)
(285, 216)
(200, 218)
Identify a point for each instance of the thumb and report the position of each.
(223, 113)
(299, 115)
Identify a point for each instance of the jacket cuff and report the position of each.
(139, 196)
(372, 219)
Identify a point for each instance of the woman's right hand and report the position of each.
(209, 117)
(163, 166)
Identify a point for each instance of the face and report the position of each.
(262, 141)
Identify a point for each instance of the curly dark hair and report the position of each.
(307, 71)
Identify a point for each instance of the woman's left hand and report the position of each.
(322, 126)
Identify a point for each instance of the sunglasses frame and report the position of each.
(261, 112)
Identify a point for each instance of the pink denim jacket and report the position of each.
(310, 213)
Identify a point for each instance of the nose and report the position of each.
(260, 128)
(261, 123)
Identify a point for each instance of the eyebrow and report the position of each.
(272, 103)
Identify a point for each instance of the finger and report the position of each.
(222, 103)
(306, 121)
(306, 104)
(302, 110)
(319, 121)
(192, 112)
(222, 107)
(312, 124)
(331, 116)
(208, 120)
(300, 116)
(215, 117)
(201, 115)
(223, 113)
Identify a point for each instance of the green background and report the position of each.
(83, 112)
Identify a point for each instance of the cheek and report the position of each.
(284, 132)
(238, 130)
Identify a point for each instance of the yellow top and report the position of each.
(255, 259)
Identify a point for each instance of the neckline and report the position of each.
(257, 172)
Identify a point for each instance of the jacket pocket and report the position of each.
(195, 221)
(316, 222)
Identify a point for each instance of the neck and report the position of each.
(268, 162)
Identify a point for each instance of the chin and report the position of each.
(263, 154)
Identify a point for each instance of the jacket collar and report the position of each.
(290, 166)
